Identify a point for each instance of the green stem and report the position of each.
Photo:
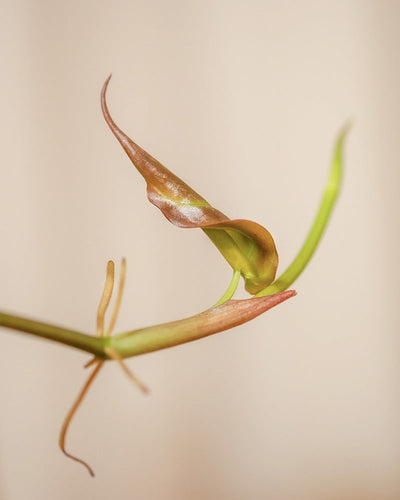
(72, 338)
(307, 250)
(153, 338)
(174, 333)
(231, 289)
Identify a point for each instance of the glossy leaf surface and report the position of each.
(247, 246)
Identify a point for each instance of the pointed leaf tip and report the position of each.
(247, 246)
(235, 312)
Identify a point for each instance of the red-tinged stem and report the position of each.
(228, 315)
(153, 338)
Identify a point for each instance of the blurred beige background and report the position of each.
(243, 101)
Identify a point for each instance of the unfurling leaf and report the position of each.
(247, 246)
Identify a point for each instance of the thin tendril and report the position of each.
(72, 412)
(112, 353)
(116, 357)
(90, 362)
(105, 299)
(118, 298)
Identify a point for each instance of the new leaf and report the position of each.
(247, 246)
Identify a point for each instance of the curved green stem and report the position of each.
(231, 289)
(328, 200)
(218, 318)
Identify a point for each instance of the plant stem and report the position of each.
(216, 319)
(153, 338)
(177, 332)
(307, 250)
(231, 289)
(72, 338)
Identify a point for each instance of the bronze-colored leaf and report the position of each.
(247, 246)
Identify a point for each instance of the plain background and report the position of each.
(243, 100)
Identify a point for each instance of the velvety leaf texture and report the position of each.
(247, 246)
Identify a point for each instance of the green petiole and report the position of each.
(298, 265)
(82, 341)
(231, 288)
